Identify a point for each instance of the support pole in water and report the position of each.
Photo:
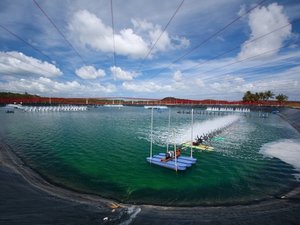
(192, 124)
(151, 134)
(168, 141)
(175, 157)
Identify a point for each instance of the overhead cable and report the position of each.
(27, 43)
(113, 31)
(212, 36)
(58, 30)
(165, 28)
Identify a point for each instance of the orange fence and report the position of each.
(167, 101)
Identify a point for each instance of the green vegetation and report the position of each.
(263, 96)
(257, 96)
(169, 99)
(17, 95)
(281, 98)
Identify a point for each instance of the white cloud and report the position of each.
(142, 25)
(89, 72)
(47, 87)
(92, 32)
(149, 87)
(231, 84)
(18, 64)
(286, 82)
(163, 41)
(120, 74)
(242, 10)
(262, 21)
(134, 42)
(130, 44)
(177, 76)
(180, 42)
(198, 82)
(211, 80)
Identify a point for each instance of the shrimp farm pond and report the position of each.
(103, 151)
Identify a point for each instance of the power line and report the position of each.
(256, 39)
(218, 32)
(217, 77)
(231, 92)
(251, 41)
(40, 68)
(251, 57)
(165, 28)
(239, 61)
(113, 30)
(246, 59)
(211, 36)
(286, 85)
(27, 43)
(58, 30)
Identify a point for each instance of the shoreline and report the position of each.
(112, 212)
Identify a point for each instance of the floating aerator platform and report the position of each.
(170, 159)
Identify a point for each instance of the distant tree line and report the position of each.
(263, 96)
(16, 95)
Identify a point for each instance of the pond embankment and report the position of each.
(291, 115)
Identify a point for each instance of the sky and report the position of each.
(192, 49)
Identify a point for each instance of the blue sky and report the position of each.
(194, 57)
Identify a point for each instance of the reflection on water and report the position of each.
(104, 151)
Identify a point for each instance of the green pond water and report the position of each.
(103, 151)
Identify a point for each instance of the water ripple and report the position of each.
(103, 151)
